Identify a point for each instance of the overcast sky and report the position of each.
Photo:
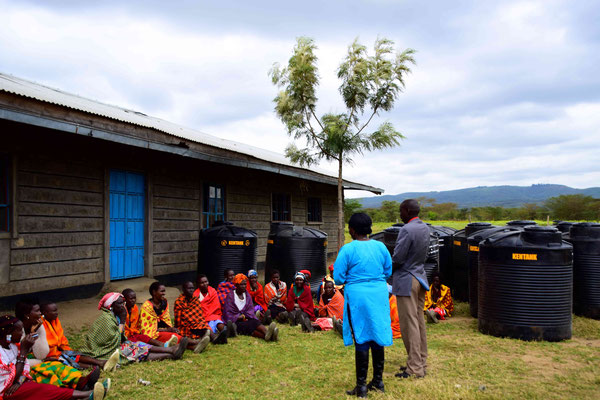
(503, 92)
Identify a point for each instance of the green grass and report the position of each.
(463, 363)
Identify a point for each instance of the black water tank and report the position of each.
(520, 223)
(226, 246)
(377, 236)
(293, 248)
(473, 260)
(585, 238)
(431, 263)
(564, 226)
(460, 263)
(444, 235)
(526, 285)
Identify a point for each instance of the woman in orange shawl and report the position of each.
(155, 320)
(275, 294)
(132, 328)
(258, 298)
(58, 344)
(395, 318)
(330, 310)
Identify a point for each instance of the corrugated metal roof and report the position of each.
(23, 87)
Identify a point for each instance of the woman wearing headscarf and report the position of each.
(299, 303)
(239, 309)
(363, 265)
(15, 380)
(106, 337)
(258, 298)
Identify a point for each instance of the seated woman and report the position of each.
(155, 320)
(106, 337)
(44, 369)
(189, 318)
(258, 298)
(396, 334)
(438, 300)
(15, 379)
(211, 307)
(330, 310)
(240, 309)
(275, 293)
(226, 286)
(299, 303)
(132, 328)
(58, 344)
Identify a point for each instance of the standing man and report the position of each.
(409, 284)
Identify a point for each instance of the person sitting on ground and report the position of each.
(15, 379)
(211, 307)
(275, 293)
(299, 303)
(396, 334)
(44, 369)
(226, 286)
(329, 277)
(258, 298)
(58, 344)
(155, 320)
(330, 310)
(189, 318)
(240, 309)
(132, 327)
(438, 300)
(106, 337)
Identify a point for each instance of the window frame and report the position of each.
(11, 196)
(206, 211)
(309, 213)
(288, 202)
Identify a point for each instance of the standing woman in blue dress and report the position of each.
(363, 265)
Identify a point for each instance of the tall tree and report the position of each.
(369, 85)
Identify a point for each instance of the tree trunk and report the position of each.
(340, 188)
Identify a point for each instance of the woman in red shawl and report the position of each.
(258, 298)
(299, 303)
(211, 306)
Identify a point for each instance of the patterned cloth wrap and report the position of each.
(135, 351)
(223, 290)
(56, 373)
(189, 316)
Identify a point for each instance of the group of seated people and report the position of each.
(36, 360)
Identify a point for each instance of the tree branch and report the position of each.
(315, 138)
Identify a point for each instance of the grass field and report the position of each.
(463, 364)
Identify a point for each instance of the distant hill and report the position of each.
(505, 196)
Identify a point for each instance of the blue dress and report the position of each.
(364, 266)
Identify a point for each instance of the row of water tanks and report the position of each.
(290, 248)
(521, 280)
(524, 280)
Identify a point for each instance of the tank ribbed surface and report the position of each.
(223, 247)
(293, 248)
(460, 262)
(473, 260)
(444, 235)
(525, 285)
(585, 238)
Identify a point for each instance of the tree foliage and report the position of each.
(369, 85)
(351, 206)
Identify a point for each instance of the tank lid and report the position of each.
(228, 230)
(589, 229)
(564, 226)
(520, 222)
(476, 226)
(486, 233)
(542, 235)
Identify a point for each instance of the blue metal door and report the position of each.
(127, 194)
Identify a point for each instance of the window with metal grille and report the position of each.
(213, 208)
(4, 193)
(281, 206)
(313, 208)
